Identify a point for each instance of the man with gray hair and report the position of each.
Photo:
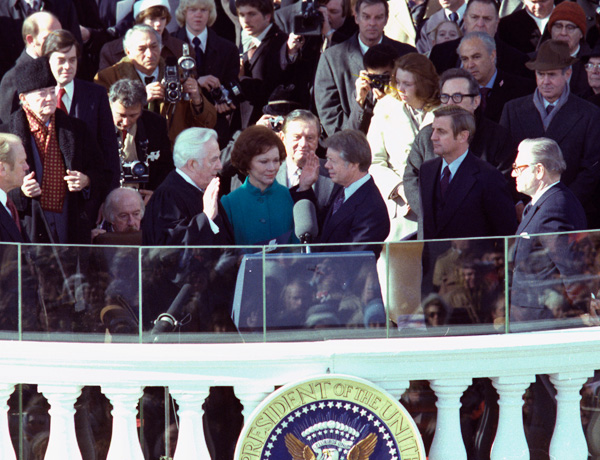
(477, 52)
(539, 260)
(13, 167)
(143, 63)
(141, 135)
(123, 212)
(358, 214)
(185, 208)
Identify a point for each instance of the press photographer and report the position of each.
(143, 63)
(144, 147)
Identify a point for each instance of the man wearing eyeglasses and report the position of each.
(491, 142)
(554, 208)
(554, 112)
(461, 195)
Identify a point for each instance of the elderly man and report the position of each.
(358, 214)
(553, 208)
(477, 52)
(481, 16)
(35, 30)
(568, 24)
(554, 112)
(185, 209)
(491, 141)
(66, 166)
(340, 65)
(13, 167)
(461, 195)
(143, 63)
(142, 137)
(123, 212)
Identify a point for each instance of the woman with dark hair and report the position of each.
(412, 96)
(261, 209)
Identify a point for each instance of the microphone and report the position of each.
(305, 221)
(168, 322)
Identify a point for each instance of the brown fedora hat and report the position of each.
(552, 55)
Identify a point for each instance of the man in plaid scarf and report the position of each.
(66, 167)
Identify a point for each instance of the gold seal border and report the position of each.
(291, 397)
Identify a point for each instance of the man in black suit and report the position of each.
(477, 52)
(35, 30)
(66, 167)
(543, 262)
(12, 16)
(462, 196)
(491, 141)
(13, 168)
(554, 112)
(358, 213)
(185, 209)
(523, 29)
(269, 58)
(141, 135)
(217, 59)
(340, 65)
(83, 100)
(481, 16)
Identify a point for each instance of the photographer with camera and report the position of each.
(143, 63)
(144, 147)
(372, 83)
(217, 59)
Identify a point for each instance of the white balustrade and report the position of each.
(255, 369)
(191, 443)
(510, 442)
(447, 442)
(124, 442)
(63, 442)
(568, 441)
(7, 452)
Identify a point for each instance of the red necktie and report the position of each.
(13, 210)
(61, 104)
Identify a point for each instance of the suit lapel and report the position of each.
(9, 225)
(532, 211)
(564, 122)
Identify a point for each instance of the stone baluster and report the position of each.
(568, 441)
(63, 442)
(447, 442)
(191, 444)
(124, 442)
(251, 396)
(7, 452)
(510, 442)
(396, 389)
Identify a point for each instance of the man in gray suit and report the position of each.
(340, 65)
(300, 135)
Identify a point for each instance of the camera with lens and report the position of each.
(378, 81)
(135, 171)
(276, 123)
(173, 86)
(226, 94)
(309, 21)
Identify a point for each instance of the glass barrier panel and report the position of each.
(554, 281)
(9, 287)
(79, 293)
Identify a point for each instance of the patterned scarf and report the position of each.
(54, 187)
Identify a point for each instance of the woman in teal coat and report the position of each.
(261, 210)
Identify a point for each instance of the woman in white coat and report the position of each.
(412, 96)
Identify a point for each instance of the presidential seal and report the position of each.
(330, 417)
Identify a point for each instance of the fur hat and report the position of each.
(35, 74)
(552, 55)
(569, 11)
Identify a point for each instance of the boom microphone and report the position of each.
(169, 321)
